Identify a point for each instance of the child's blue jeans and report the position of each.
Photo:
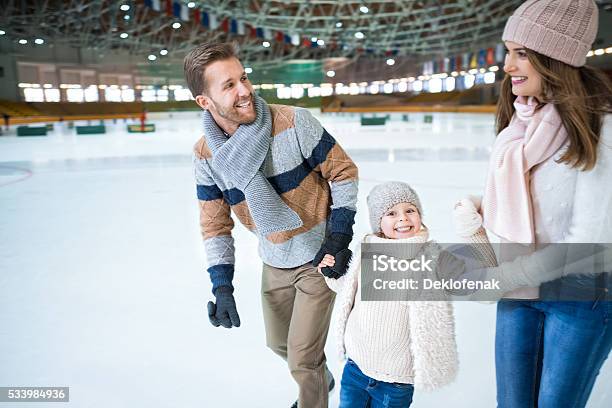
(357, 390)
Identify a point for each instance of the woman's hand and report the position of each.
(476, 201)
(466, 218)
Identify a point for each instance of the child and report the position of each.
(393, 347)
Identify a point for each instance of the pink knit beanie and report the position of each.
(560, 29)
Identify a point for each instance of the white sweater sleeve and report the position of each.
(592, 211)
(591, 223)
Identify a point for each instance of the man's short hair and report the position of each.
(199, 58)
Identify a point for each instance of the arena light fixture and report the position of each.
(489, 77)
(152, 57)
(390, 61)
(191, 4)
(599, 51)
(2, 32)
(163, 52)
(590, 53)
(39, 41)
(265, 44)
(359, 35)
(176, 25)
(609, 50)
(364, 9)
(23, 41)
(339, 24)
(248, 70)
(331, 73)
(124, 35)
(124, 7)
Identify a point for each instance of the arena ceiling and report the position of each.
(348, 29)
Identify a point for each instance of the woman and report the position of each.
(550, 182)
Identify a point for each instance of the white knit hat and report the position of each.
(560, 29)
(386, 195)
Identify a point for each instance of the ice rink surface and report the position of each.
(103, 284)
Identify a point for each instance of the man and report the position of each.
(291, 184)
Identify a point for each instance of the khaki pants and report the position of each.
(297, 306)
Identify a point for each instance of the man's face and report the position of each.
(229, 94)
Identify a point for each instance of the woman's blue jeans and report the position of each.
(548, 354)
(357, 390)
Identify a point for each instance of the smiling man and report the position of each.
(290, 183)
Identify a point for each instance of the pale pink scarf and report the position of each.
(531, 138)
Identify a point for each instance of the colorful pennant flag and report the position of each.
(225, 25)
(473, 61)
(500, 52)
(482, 58)
(240, 29)
(184, 13)
(490, 56)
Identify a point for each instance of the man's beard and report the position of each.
(233, 113)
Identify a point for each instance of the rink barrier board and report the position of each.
(90, 130)
(373, 121)
(32, 131)
(22, 120)
(69, 118)
(148, 128)
(416, 109)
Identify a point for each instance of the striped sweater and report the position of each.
(312, 174)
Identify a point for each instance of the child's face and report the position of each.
(401, 221)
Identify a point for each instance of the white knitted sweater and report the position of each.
(569, 206)
(405, 342)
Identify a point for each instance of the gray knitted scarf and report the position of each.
(239, 160)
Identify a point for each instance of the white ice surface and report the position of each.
(102, 269)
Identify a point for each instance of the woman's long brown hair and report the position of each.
(582, 96)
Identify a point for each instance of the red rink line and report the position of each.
(27, 174)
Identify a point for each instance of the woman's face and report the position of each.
(401, 221)
(526, 81)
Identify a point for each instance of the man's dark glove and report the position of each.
(224, 312)
(335, 244)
